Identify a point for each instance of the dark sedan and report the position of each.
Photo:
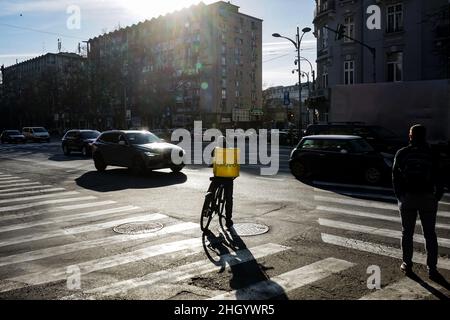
(339, 156)
(138, 150)
(79, 141)
(12, 136)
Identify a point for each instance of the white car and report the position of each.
(36, 134)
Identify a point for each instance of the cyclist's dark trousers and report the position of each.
(426, 205)
(228, 190)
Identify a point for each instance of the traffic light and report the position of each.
(340, 33)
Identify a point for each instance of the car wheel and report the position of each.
(138, 166)
(176, 169)
(372, 175)
(84, 151)
(99, 163)
(300, 170)
(66, 151)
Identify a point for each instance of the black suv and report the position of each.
(137, 150)
(79, 140)
(380, 138)
(339, 156)
(12, 136)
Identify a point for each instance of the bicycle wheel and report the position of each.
(207, 211)
(220, 202)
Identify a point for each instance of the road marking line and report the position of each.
(270, 179)
(183, 272)
(344, 185)
(369, 204)
(184, 247)
(69, 193)
(41, 203)
(396, 234)
(45, 186)
(13, 181)
(56, 209)
(66, 218)
(31, 192)
(90, 244)
(9, 178)
(405, 289)
(357, 194)
(372, 215)
(380, 249)
(20, 185)
(81, 229)
(288, 281)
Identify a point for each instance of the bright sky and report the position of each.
(18, 19)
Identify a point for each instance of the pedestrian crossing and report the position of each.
(47, 230)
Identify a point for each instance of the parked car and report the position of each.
(80, 141)
(36, 134)
(12, 136)
(137, 150)
(339, 155)
(380, 138)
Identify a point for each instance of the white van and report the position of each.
(36, 134)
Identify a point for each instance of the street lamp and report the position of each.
(297, 45)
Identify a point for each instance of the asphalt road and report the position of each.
(57, 216)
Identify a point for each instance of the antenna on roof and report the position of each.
(59, 45)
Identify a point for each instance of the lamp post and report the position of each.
(297, 45)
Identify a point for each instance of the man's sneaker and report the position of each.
(229, 223)
(406, 268)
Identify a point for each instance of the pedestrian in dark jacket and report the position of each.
(418, 187)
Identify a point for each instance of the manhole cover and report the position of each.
(249, 229)
(138, 228)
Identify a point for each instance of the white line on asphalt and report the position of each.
(270, 179)
(358, 194)
(9, 178)
(372, 215)
(68, 193)
(66, 218)
(22, 215)
(30, 192)
(81, 229)
(184, 247)
(20, 185)
(5, 175)
(369, 204)
(395, 234)
(26, 188)
(288, 281)
(42, 203)
(14, 181)
(183, 272)
(343, 185)
(90, 244)
(404, 289)
(380, 249)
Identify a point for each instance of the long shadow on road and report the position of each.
(122, 179)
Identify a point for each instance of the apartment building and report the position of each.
(200, 63)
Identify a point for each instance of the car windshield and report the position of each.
(138, 138)
(13, 133)
(90, 134)
(39, 130)
(361, 145)
(384, 133)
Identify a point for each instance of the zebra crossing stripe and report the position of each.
(30, 192)
(443, 242)
(20, 185)
(379, 249)
(90, 244)
(77, 230)
(25, 188)
(288, 281)
(184, 247)
(9, 178)
(69, 193)
(66, 218)
(183, 272)
(358, 194)
(55, 209)
(372, 215)
(41, 203)
(405, 289)
(14, 181)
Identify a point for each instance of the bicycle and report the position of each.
(214, 204)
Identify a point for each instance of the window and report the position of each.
(238, 93)
(350, 28)
(395, 67)
(224, 61)
(395, 18)
(224, 72)
(224, 83)
(224, 49)
(224, 93)
(349, 72)
(325, 77)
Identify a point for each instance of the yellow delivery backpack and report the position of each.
(226, 162)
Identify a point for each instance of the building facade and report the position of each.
(412, 44)
(49, 90)
(200, 63)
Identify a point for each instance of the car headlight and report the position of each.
(151, 154)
